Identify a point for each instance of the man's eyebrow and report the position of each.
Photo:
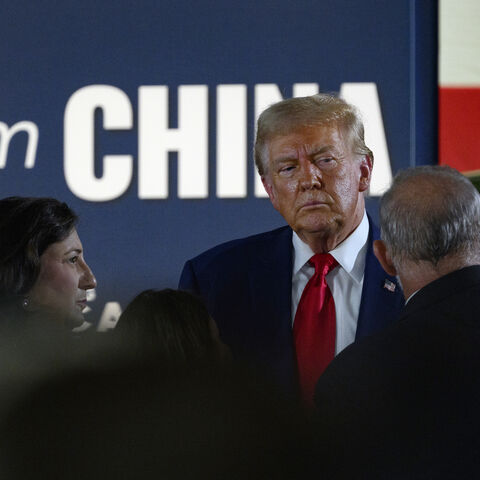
(285, 158)
(313, 150)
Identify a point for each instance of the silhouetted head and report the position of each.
(172, 325)
(138, 422)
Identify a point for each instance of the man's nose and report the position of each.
(311, 176)
(88, 280)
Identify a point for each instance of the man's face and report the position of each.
(315, 181)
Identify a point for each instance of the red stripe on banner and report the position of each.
(459, 128)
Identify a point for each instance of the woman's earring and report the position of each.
(25, 303)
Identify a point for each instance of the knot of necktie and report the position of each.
(323, 263)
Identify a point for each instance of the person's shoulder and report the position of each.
(238, 257)
(241, 246)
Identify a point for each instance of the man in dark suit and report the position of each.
(405, 403)
(315, 167)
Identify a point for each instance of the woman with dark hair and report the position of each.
(170, 325)
(42, 270)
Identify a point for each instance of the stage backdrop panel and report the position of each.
(140, 115)
(459, 80)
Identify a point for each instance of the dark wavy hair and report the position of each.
(170, 325)
(28, 226)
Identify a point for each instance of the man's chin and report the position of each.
(322, 235)
(319, 225)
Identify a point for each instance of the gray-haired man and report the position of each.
(405, 402)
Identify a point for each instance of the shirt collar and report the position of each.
(411, 296)
(350, 254)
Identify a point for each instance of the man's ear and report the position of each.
(366, 166)
(381, 252)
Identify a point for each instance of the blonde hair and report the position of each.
(322, 109)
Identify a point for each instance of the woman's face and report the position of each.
(64, 278)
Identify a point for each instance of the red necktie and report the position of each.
(314, 328)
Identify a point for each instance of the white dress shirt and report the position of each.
(345, 281)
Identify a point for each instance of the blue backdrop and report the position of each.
(50, 50)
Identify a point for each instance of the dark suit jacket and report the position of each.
(247, 286)
(405, 403)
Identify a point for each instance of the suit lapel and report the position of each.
(270, 293)
(379, 305)
(271, 284)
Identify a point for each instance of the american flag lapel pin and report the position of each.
(389, 285)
